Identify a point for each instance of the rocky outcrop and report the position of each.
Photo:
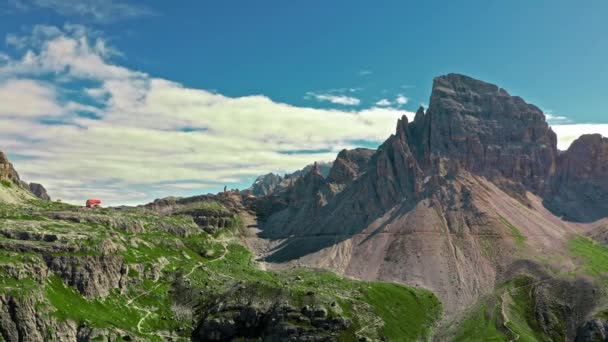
(579, 190)
(122, 223)
(92, 276)
(22, 319)
(595, 330)
(39, 191)
(247, 314)
(211, 221)
(7, 171)
(349, 165)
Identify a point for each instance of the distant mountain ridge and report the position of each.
(271, 183)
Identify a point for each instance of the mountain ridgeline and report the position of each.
(454, 201)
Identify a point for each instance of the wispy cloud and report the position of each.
(151, 137)
(384, 103)
(556, 119)
(96, 10)
(334, 98)
(401, 100)
(365, 72)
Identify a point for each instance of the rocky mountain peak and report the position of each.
(483, 129)
(579, 190)
(316, 170)
(457, 85)
(419, 114)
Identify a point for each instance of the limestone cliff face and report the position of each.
(579, 190)
(21, 319)
(483, 129)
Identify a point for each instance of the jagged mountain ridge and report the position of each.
(444, 203)
(271, 183)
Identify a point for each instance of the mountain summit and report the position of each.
(451, 202)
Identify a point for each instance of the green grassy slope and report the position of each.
(148, 308)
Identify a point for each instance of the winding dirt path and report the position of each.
(148, 312)
(503, 310)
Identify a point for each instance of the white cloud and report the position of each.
(28, 98)
(365, 72)
(335, 99)
(401, 100)
(567, 133)
(383, 103)
(97, 10)
(154, 137)
(556, 119)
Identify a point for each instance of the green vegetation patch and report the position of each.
(6, 183)
(481, 325)
(110, 312)
(520, 239)
(594, 256)
(408, 313)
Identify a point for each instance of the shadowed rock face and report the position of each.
(39, 191)
(579, 189)
(349, 165)
(483, 129)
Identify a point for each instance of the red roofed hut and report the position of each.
(93, 203)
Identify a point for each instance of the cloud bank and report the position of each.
(85, 126)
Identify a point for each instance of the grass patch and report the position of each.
(408, 314)
(593, 255)
(6, 183)
(481, 325)
(522, 315)
(111, 312)
(519, 238)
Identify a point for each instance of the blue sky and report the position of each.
(369, 61)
